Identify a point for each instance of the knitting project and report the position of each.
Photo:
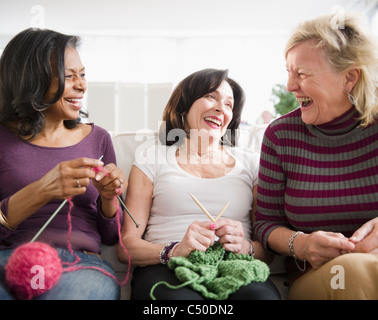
(215, 273)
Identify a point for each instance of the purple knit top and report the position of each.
(317, 177)
(22, 163)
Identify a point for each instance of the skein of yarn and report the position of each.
(33, 269)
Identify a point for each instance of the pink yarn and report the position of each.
(33, 269)
(19, 275)
(73, 268)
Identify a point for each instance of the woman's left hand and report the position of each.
(231, 236)
(366, 237)
(110, 181)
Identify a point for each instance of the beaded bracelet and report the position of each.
(291, 249)
(163, 256)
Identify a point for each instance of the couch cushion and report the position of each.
(126, 144)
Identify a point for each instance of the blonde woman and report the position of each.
(318, 175)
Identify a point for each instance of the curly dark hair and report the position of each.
(27, 66)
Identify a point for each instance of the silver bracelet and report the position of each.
(173, 249)
(161, 254)
(291, 249)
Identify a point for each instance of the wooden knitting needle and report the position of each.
(207, 212)
(202, 208)
(221, 212)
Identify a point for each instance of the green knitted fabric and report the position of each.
(216, 273)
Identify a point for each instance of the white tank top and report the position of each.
(173, 209)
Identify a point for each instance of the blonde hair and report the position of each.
(346, 44)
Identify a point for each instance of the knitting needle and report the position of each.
(127, 210)
(52, 216)
(124, 206)
(202, 207)
(222, 211)
(49, 220)
(206, 212)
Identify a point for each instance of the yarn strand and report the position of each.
(72, 264)
(170, 286)
(69, 245)
(17, 270)
(215, 273)
(49, 220)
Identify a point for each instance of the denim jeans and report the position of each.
(83, 284)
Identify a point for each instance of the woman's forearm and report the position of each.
(261, 253)
(142, 252)
(278, 240)
(24, 203)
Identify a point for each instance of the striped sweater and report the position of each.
(317, 177)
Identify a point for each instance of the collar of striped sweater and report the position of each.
(341, 125)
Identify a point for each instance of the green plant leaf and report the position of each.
(283, 100)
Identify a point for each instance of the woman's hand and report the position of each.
(109, 181)
(231, 236)
(199, 236)
(366, 237)
(320, 246)
(69, 178)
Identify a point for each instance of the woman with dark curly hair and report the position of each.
(47, 155)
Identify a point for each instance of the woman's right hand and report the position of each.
(320, 246)
(69, 178)
(199, 236)
(65, 180)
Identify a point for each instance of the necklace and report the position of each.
(211, 164)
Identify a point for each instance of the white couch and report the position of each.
(126, 143)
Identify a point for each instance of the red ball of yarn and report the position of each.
(32, 269)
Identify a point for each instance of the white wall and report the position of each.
(122, 106)
(147, 43)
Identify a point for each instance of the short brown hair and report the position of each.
(192, 88)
